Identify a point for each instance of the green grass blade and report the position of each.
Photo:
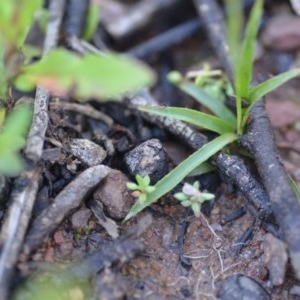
(214, 105)
(168, 182)
(245, 65)
(204, 168)
(271, 84)
(234, 24)
(295, 187)
(194, 117)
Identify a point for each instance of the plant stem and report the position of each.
(239, 112)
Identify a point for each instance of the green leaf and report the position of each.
(11, 163)
(196, 209)
(140, 180)
(132, 186)
(16, 17)
(295, 187)
(214, 105)
(149, 189)
(204, 168)
(243, 75)
(181, 196)
(271, 84)
(175, 77)
(186, 203)
(234, 24)
(42, 19)
(194, 117)
(174, 177)
(15, 128)
(146, 180)
(12, 139)
(207, 196)
(142, 198)
(196, 184)
(92, 21)
(3, 72)
(30, 52)
(91, 76)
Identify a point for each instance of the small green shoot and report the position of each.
(216, 106)
(142, 188)
(175, 176)
(92, 21)
(192, 197)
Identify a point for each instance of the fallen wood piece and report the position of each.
(284, 202)
(237, 247)
(68, 199)
(36, 136)
(15, 225)
(213, 20)
(85, 109)
(165, 40)
(236, 214)
(122, 21)
(235, 170)
(107, 223)
(75, 19)
(186, 133)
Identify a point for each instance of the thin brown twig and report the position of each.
(85, 109)
(283, 199)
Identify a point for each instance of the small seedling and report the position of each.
(142, 188)
(222, 121)
(191, 196)
(212, 82)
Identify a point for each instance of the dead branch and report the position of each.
(284, 202)
(213, 20)
(67, 200)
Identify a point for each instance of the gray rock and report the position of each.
(149, 158)
(295, 290)
(90, 153)
(282, 33)
(114, 195)
(240, 287)
(276, 258)
(81, 218)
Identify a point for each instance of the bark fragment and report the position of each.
(69, 198)
(260, 142)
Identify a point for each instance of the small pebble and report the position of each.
(295, 290)
(90, 153)
(80, 218)
(240, 287)
(276, 258)
(282, 33)
(114, 195)
(149, 158)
